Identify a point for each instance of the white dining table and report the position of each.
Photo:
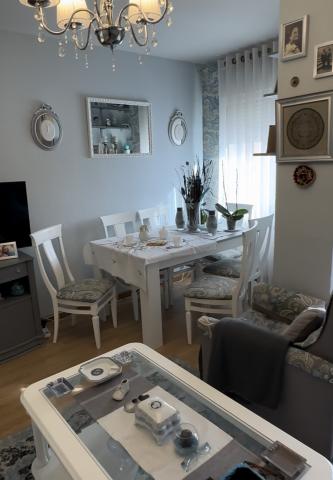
(140, 265)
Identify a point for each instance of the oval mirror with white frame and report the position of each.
(118, 127)
(46, 128)
(177, 129)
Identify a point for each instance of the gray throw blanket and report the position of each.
(247, 361)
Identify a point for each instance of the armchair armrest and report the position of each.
(316, 366)
(281, 304)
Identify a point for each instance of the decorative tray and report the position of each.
(100, 370)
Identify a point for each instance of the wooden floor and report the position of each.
(76, 345)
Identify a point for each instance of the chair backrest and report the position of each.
(117, 222)
(45, 240)
(264, 227)
(153, 217)
(249, 267)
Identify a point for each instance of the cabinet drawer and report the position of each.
(13, 272)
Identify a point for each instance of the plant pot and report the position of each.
(231, 222)
(193, 216)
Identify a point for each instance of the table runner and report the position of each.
(162, 462)
(130, 264)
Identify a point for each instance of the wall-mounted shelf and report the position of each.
(112, 127)
(271, 144)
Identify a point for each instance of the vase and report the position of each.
(231, 222)
(180, 222)
(211, 222)
(193, 216)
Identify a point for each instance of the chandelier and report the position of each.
(76, 22)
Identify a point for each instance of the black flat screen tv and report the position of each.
(14, 214)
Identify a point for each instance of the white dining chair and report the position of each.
(223, 295)
(231, 267)
(119, 225)
(86, 297)
(154, 217)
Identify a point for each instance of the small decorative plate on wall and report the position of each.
(304, 176)
(177, 129)
(46, 128)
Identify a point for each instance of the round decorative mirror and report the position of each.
(177, 129)
(46, 128)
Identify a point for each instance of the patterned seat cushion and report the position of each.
(227, 254)
(89, 290)
(281, 304)
(212, 288)
(229, 267)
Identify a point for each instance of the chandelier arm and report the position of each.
(98, 13)
(145, 18)
(137, 41)
(85, 45)
(65, 29)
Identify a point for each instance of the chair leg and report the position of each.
(55, 323)
(97, 332)
(135, 303)
(114, 307)
(189, 327)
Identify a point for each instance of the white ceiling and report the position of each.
(202, 30)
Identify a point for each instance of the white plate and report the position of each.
(100, 370)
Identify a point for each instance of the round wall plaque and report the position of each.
(177, 129)
(46, 128)
(304, 176)
(305, 129)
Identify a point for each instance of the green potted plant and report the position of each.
(231, 217)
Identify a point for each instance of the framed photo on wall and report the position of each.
(323, 64)
(294, 39)
(304, 128)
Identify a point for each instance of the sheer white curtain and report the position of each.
(245, 116)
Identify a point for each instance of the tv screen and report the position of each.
(14, 216)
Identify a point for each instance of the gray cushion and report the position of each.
(89, 290)
(229, 267)
(306, 323)
(231, 253)
(211, 288)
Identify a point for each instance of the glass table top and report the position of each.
(87, 403)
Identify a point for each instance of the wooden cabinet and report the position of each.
(20, 323)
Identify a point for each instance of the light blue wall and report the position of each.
(66, 186)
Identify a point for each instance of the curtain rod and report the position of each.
(242, 58)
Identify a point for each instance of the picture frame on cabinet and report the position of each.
(304, 129)
(8, 251)
(323, 60)
(294, 39)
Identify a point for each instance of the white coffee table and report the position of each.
(90, 454)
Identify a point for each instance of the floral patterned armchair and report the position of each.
(305, 410)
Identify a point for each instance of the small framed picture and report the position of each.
(323, 65)
(304, 128)
(294, 39)
(8, 251)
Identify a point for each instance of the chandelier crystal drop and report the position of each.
(76, 22)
